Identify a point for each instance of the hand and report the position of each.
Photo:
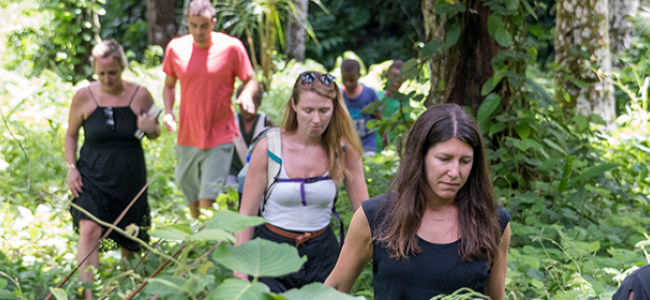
(246, 103)
(74, 182)
(170, 122)
(240, 275)
(147, 123)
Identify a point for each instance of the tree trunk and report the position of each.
(473, 58)
(457, 75)
(296, 33)
(582, 54)
(434, 29)
(620, 25)
(161, 18)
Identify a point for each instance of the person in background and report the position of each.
(390, 105)
(636, 286)
(206, 64)
(356, 97)
(438, 228)
(111, 169)
(319, 151)
(249, 126)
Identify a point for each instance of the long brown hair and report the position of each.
(407, 201)
(340, 126)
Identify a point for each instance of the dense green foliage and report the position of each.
(578, 191)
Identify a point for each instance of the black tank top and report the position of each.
(436, 270)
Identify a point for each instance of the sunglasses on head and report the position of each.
(110, 121)
(309, 77)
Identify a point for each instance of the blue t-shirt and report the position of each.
(437, 269)
(368, 137)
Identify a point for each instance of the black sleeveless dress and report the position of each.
(437, 269)
(112, 168)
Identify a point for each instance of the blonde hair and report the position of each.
(108, 48)
(339, 129)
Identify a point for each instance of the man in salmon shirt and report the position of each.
(206, 64)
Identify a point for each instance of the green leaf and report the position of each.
(236, 289)
(172, 232)
(451, 37)
(512, 4)
(554, 146)
(495, 21)
(232, 222)
(167, 286)
(497, 127)
(522, 129)
(594, 171)
(259, 258)
(213, 234)
(4, 294)
(593, 247)
(318, 291)
(488, 107)
(59, 293)
(430, 49)
(503, 37)
(410, 68)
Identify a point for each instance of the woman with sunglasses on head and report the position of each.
(439, 228)
(319, 150)
(111, 169)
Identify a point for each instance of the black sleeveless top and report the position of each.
(112, 167)
(436, 270)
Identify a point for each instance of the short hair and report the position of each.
(397, 64)
(257, 97)
(350, 66)
(108, 48)
(340, 128)
(201, 8)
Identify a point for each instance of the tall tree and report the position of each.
(620, 24)
(161, 18)
(583, 57)
(296, 33)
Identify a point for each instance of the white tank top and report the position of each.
(284, 207)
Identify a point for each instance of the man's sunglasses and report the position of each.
(309, 77)
(110, 121)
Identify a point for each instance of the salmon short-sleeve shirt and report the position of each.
(207, 78)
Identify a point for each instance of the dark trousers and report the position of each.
(322, 253)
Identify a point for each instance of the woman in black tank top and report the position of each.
(111, 169)
(439, 228)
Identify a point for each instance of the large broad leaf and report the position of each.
(167, 286)
(232, 221)
(451, 36)
(172, 232)
(59, 293)
(213, 234)
(317, 291)
(260, 258)
(593, 171)
(236, 289)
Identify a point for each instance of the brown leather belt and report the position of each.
(300, 238)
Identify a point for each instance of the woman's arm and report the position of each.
(148, 124)
(355, 255)
(254, 186)
(355, 184)
(75, 119)
(497, 280)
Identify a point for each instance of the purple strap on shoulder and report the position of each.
(302, 184)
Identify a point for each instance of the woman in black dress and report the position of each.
(110, 170)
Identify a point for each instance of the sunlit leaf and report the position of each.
(260, 258)
(59, 293)
(237, 289)
(232, 221)
(318, 291)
